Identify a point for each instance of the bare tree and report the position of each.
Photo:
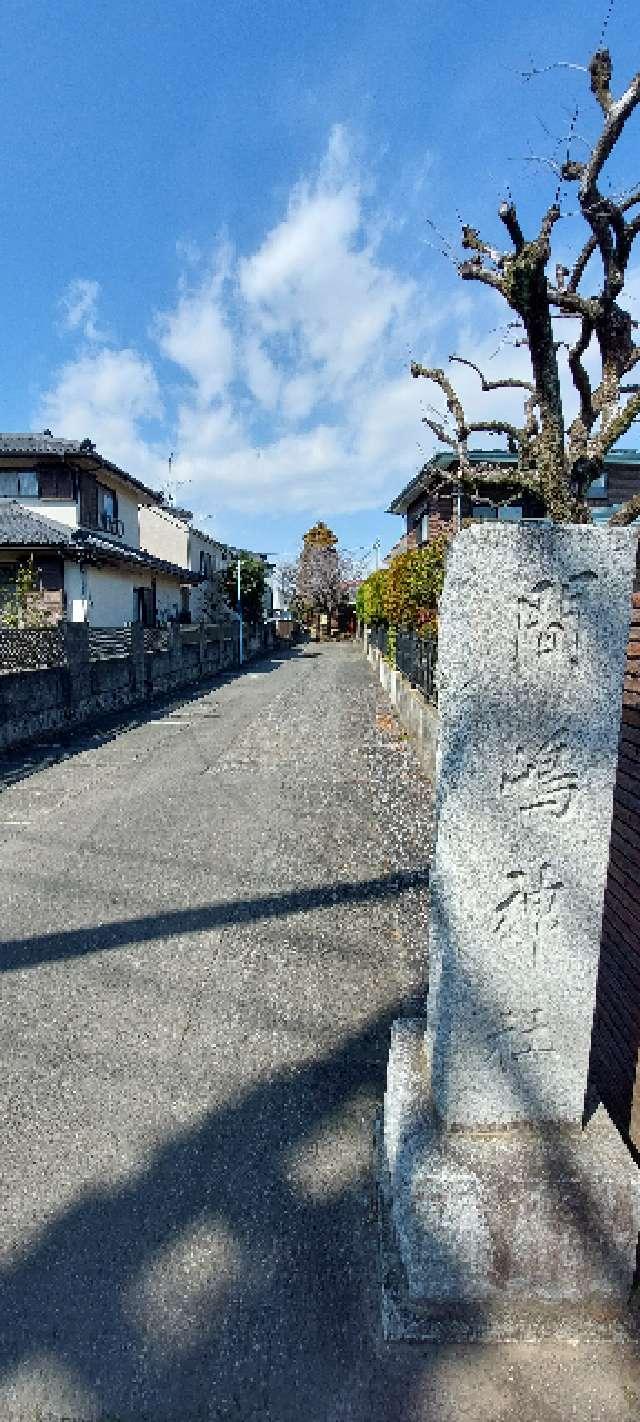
(287, 577)
(555, 462)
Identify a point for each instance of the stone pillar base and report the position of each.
(512, 1234)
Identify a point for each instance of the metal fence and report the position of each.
(106, 642)
(379, 638)
(156, 639)
(31, 648)
(416, 658)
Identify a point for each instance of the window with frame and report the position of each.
(598, 487)
(107, 505)
(16, 482)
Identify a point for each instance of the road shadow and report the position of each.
(21, 953)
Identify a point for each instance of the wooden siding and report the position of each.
(614, 1073)
(88, 500)
(623, 481)
(55, 482)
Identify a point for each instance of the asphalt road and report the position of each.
(209, 921)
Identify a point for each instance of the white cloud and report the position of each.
(196, 337)
(105, 395)
(284, 381)
(79, 307)
(316, 282)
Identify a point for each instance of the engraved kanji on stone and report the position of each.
(521, 1034)
(540, 780)
(530, 906)
(549, 620)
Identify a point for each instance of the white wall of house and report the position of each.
(58, 510)
(168, 598)
(164, 535)
(110, 595)
(205, 553)
(127, 509)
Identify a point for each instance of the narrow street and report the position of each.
(210, 920)
(206, 938)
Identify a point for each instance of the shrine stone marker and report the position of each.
(505, 1218)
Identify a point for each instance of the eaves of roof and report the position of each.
(22, 529)
(93, 547)
(75, 451)
(443, 460)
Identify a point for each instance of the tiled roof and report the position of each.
(44, 442)
(20, 528)
(100, 544)
(447, 459)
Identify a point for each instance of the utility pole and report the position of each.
(376, 549)
(240, 611)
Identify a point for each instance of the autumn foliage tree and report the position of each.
(556, 460)
(320, 573)
(405, 595)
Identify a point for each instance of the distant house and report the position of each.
(169, 532)
(78, 514)
(432, 502)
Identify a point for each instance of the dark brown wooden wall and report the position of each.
(613, 1071)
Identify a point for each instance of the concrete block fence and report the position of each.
(52, 698)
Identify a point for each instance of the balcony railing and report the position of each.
(111, 525)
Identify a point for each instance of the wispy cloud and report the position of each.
(279, 378)
(79, 308)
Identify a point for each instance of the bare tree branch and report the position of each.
(509, 216)
(439, 431)
(505, 384)
(546, 68)
(591, 246)
(554, 462)
(628, 513)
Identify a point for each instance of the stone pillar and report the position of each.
(175, 647)
(510, 1220)
(76, 647)
(137, 660)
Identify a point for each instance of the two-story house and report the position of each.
(168, 532)
(433, 502)
(78, 515)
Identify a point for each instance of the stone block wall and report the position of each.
(34, 703)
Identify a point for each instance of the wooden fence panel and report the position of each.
(614, 1071)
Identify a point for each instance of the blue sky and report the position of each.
(216, 237)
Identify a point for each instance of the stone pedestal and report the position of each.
(502, 1210)
(521, 1233)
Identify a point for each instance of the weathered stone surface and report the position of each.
(500, 1218)
(512, 1233)
(533, 630)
